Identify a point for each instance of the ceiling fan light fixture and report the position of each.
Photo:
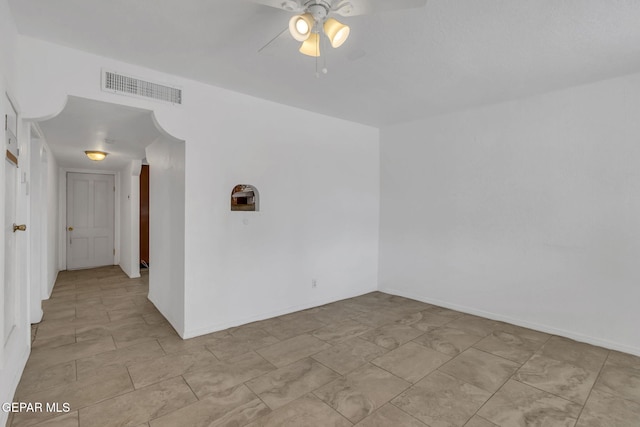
(311, 46)
(337, 32)
(96, 156)
(300, 26)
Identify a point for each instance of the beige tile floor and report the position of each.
(374, 360)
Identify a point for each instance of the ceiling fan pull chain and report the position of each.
(318, 30)
(324, 57)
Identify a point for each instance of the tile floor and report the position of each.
(374, 360)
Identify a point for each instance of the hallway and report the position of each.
(91, 312)
(373, 360)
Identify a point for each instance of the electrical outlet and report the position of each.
(314, 283)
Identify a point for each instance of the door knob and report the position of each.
(70, 228)
(21, 227)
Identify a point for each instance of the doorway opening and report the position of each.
(130, 136)
(144, 217)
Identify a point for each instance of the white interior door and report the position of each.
(90, 220)
(11, 272)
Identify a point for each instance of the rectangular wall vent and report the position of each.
(119, 83)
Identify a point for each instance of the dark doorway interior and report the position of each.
(144, 217)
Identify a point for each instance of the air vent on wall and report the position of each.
(126, 85)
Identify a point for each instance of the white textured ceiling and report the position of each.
(396, 66)
(86, 124)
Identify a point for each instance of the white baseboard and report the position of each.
(52, 284)
(14, 380)
(611, 345)
(170, 319)
(130, 275)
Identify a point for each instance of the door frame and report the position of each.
(38, 269)
(14, 355)
(62, 213)
(12, 260)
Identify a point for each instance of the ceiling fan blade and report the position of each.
(288, 5)
(273, 39)
(364, 7)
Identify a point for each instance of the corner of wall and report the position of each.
(52, 283)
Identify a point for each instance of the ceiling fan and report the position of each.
(315, 17)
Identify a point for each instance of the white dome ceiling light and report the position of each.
(313, 18)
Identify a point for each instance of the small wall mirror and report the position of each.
(244, 198)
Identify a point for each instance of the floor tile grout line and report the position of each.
(405, 412)
(92, 404)
(548, 392)
(535, 352)
(341, 376)
(338, 412)
(411, 385)
(410, 382)
(261, 400)
(331, 369)
(487, 401)
(482, 418)
(594, 385)
(133, 384)
(460, 379)
(438, 351)
(192, 390)
(634, 402)
(511, 346)
(502, 385)
(538, 352)
(494, 355)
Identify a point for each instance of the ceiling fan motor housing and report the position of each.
(291, 5)
(319, 9)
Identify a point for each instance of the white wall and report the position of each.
(130, 218)
(318, 177)
(37, 227)
(52, 224)
(44, 228)
(14, 354)
(166, 240)
(318, 180)
(43, 247)
(525, 211)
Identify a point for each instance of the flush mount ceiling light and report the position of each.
(314, 18)
(96, 156)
